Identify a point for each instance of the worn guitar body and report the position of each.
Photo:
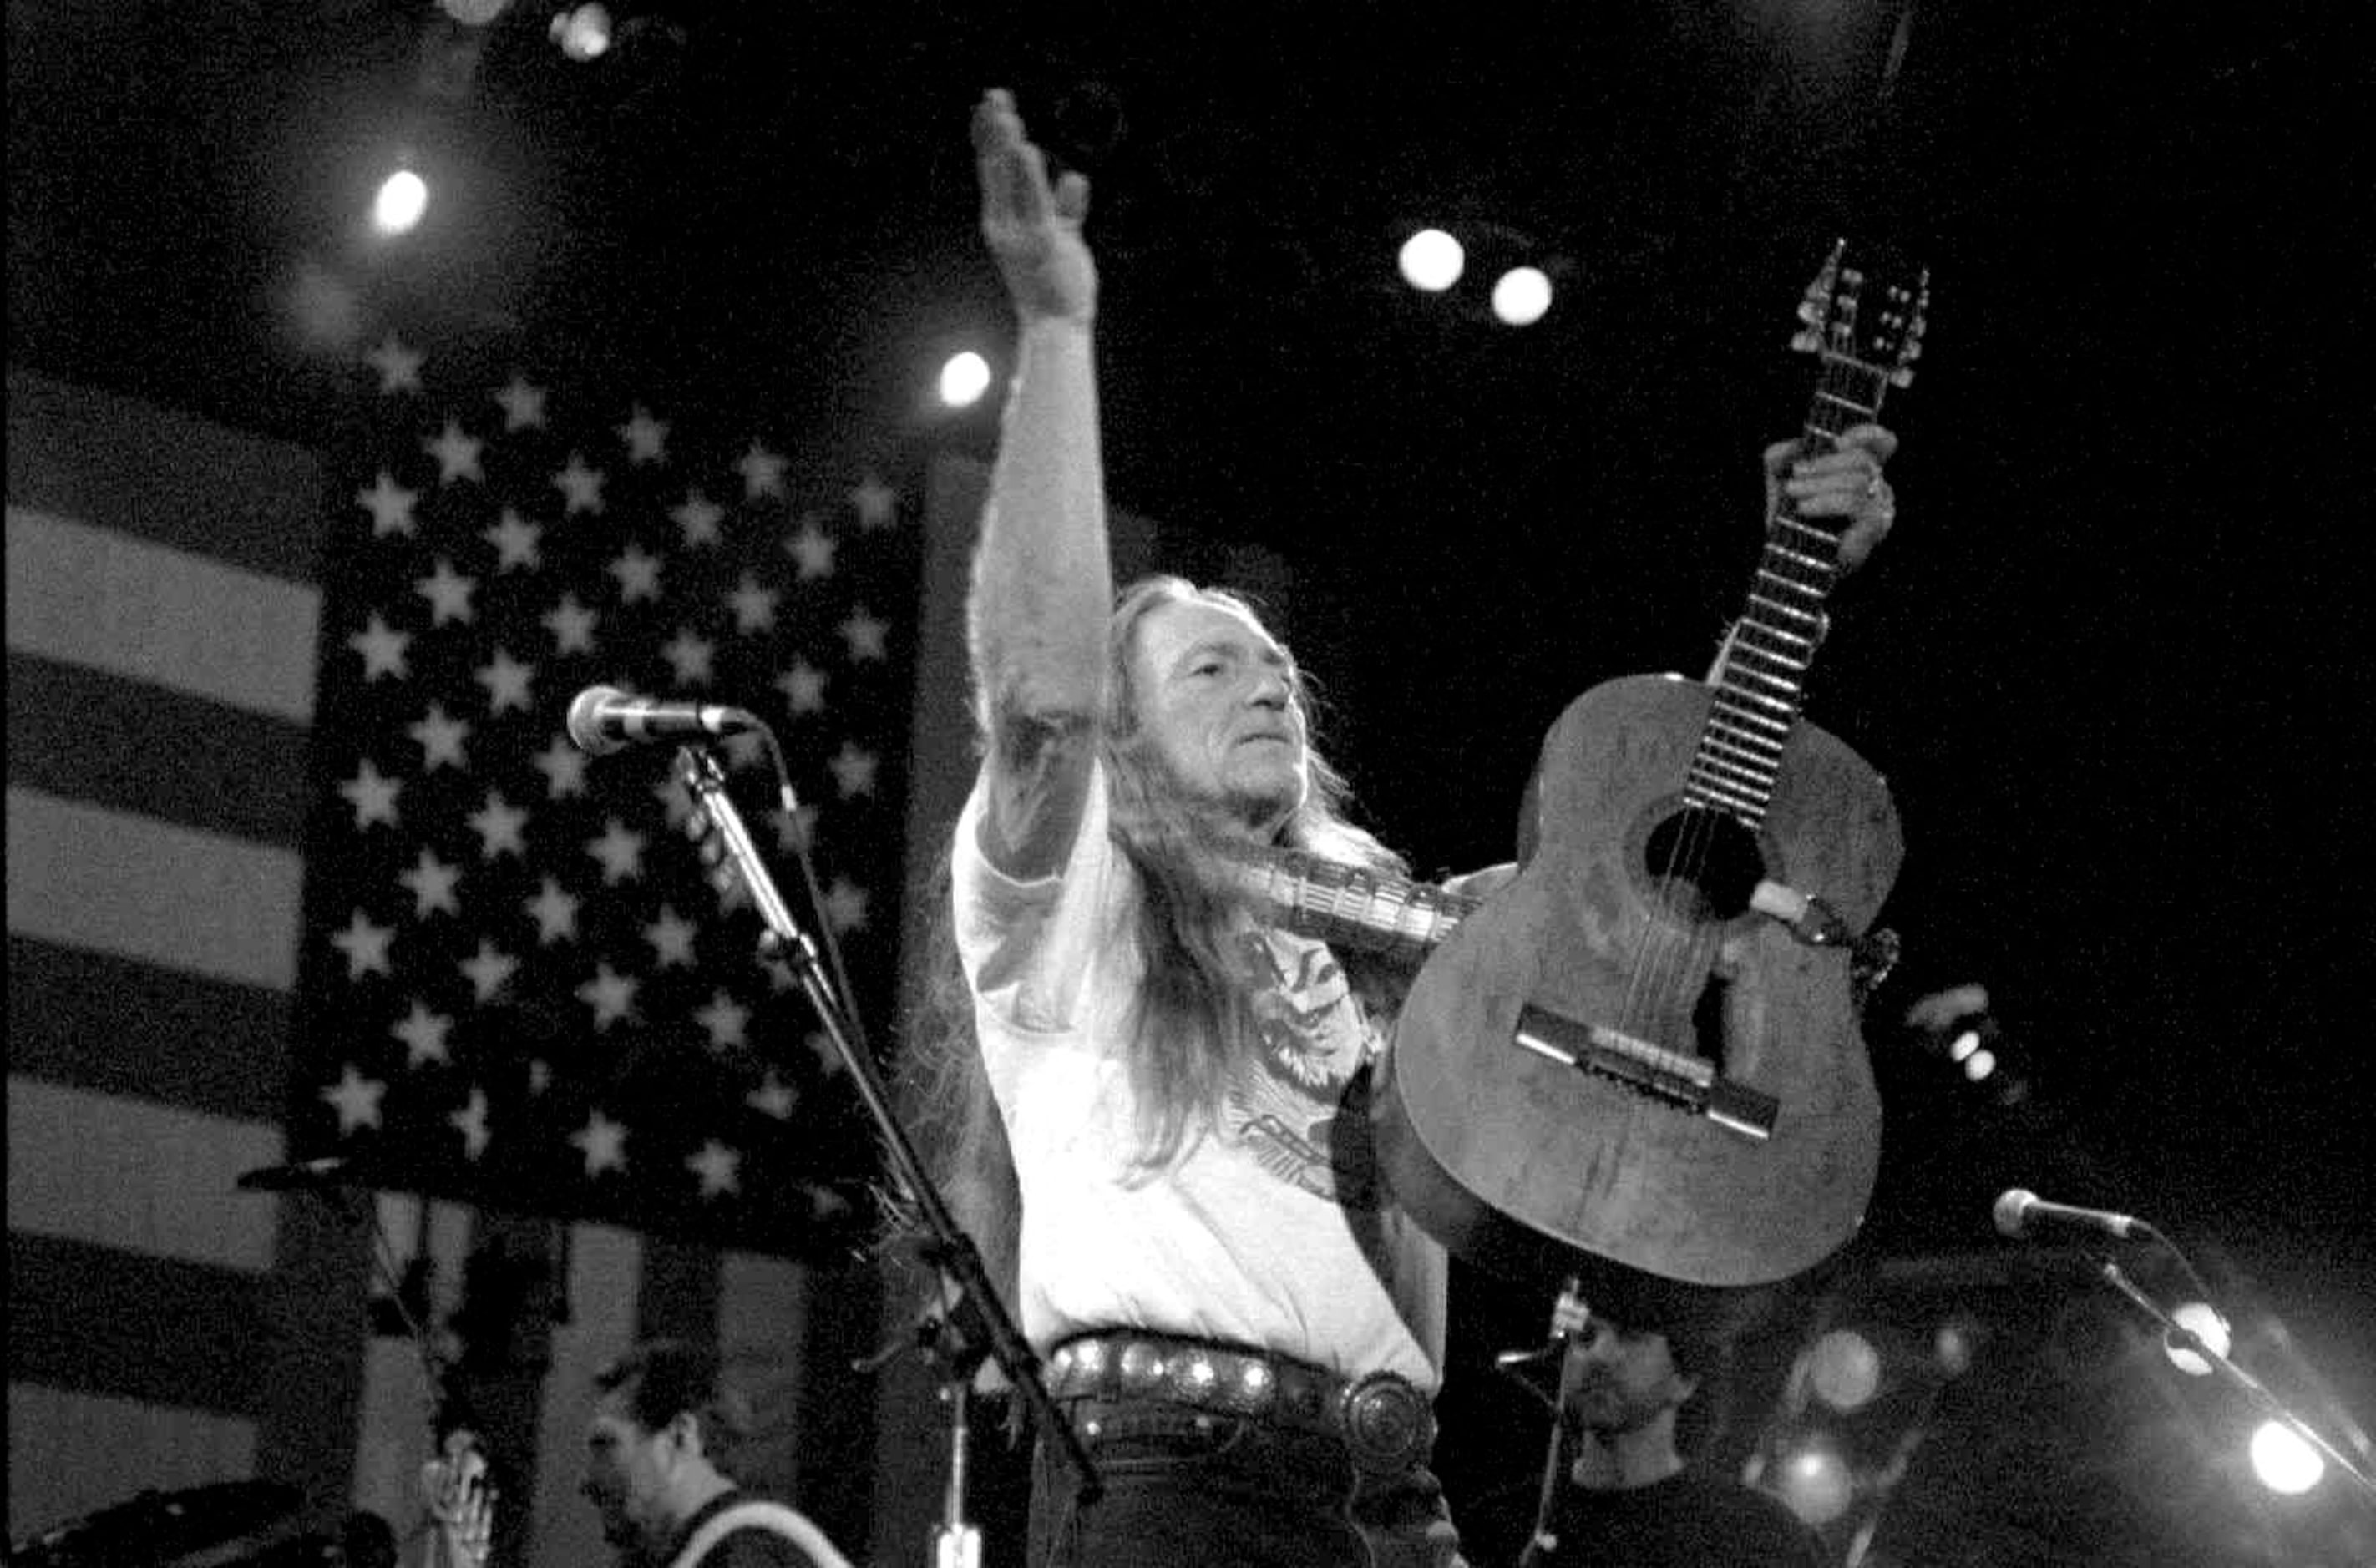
(1630, 921)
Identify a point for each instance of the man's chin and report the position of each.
(1266, 804)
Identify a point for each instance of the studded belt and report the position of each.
(1384, 1421)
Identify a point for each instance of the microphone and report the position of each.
(297, 1176)
(603, 719)
(2018, 1210)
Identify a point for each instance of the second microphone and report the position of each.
(604, 718)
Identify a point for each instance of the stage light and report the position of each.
(1815, 1482)
(964, 378)
(1431, 260)
(403, 198)
(2204, 1322)
(1521, 295)
(1953, 1345)
(583, 31)
(1980, 1064)
(473, 13)
(1844, 1368)
(2284, 1461)
(1963, 1045)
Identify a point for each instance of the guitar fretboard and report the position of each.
(1388, 915)
(1763, 679)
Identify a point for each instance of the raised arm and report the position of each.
(1043, 585)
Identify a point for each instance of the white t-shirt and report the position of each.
(1270, 1228)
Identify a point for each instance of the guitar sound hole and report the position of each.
(1704, 864)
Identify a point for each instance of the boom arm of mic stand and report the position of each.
(953, 1250)
(2187, 1340)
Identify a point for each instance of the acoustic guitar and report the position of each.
(1645, 1048)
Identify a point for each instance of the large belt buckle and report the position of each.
(1386, 1421)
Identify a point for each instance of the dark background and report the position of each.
(2112, 662)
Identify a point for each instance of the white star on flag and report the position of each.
(365, 946)
(457, 451)
(424, 1034)
(448, 593)
(432, 882)
(383, 648)
(441, 739)
(605, 1143)
(719, 1168)
(390, 506)
(523, 404)
(398, 367)
(515, 540)
(763, 473)
(865, 636)
(696, 518)
(581, 487)
(876, 503)
(373, 795)
(471, 1123)
(356, 1099)
(647, 437)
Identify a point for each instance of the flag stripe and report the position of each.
(93, 737)
(109, 1172)
(133, 469)
(136, 1326)
(161, 633)
(90, 1444)
(94, 1021)
(763, 1332)
(149, 612)
(392, 1431)
(148, 890)
(605, 1275)
(679, 1297)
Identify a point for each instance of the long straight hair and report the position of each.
(1195, 1019)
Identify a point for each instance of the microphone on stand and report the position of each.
(298, 1176)
(603, 719)
(2018, 1211)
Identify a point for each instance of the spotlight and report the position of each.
(2201, 1320)
(403, 196)
(1814, 1480)
(964, 379)
(1432, 261)
(583, 31)
(2284, 1461)
(1521, 296)
(1844, 1368)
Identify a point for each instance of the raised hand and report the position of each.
(1844, 482)
(461, 1503)
(1033, 228)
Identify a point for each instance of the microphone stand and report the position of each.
(978, 1327)
(2186, 1338)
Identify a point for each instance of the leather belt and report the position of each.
(1385, 1423)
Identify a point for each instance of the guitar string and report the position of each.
(1665, 971)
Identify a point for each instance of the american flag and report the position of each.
(518, 986)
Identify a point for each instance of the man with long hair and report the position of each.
(1161, 1135)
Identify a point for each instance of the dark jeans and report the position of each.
(1183, 1487)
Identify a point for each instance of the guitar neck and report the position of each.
(1761, 680)
(1391, 916)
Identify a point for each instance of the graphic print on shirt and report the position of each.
(1289, 1108)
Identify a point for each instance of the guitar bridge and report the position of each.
(1672, 1078)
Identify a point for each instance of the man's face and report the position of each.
(1622, 1380)
(626, 1476)
(1217, 696)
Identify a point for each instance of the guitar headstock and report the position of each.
(1867, 308)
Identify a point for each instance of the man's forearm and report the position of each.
(1042, 579)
